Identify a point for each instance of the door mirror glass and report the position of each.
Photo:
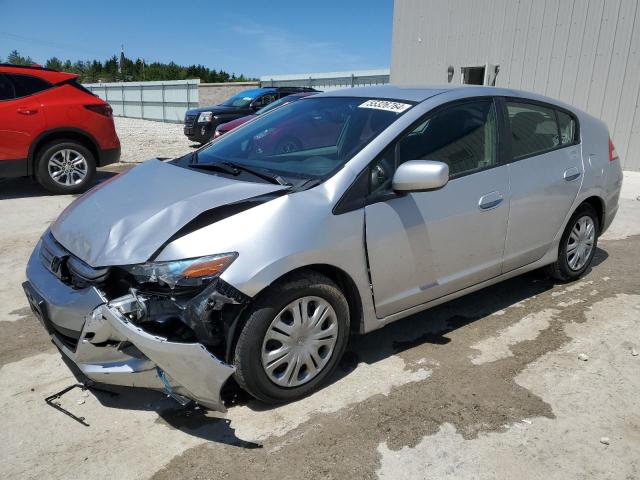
(420, 175)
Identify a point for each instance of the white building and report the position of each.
(584, 52)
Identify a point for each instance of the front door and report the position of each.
(425, 245)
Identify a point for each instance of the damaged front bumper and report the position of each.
(105, 341)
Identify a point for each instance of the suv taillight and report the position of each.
(105, 110)
(613, 155)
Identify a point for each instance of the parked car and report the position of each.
(53, 129)
(230, 262)
(227, 127)
(200, 123)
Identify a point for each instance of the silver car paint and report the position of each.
(300, 229)
(125, 221)
(311, 228)
(427, 244)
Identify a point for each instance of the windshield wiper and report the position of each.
(277, 179)
(213, 166)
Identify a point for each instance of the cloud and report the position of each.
(281, 52)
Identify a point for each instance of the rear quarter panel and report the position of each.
(602, 178)
(64, 108)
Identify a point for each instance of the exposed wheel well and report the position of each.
(340, 277)
(349, 289)
(49, 137)
(598, 206)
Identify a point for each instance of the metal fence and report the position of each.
(164, 101)
(328, 80)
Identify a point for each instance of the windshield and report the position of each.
(308, 139)
(242, 99)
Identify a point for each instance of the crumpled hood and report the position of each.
(127, 219)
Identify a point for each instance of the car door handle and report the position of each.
(27, 111)
(490, 200)
(571, 174)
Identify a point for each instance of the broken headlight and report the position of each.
(192, 272)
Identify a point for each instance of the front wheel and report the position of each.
(577, 245)
(293, 338)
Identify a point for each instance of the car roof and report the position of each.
(52, 76)
(388, 91)
(421, 93)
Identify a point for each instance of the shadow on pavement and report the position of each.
(25, 187)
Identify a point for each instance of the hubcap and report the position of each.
(580, 243)
(67, 167)
(299, 342)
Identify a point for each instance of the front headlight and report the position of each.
(182, 273)
(205, 117)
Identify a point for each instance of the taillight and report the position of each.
(105, 110)
(613, 155)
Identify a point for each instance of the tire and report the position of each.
(565, 269)
(74, 160)
(286, 381)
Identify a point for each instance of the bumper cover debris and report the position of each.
(188, 367)
(108, 344)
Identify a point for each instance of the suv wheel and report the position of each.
(65, 167)
(293, 338)
(577, 246)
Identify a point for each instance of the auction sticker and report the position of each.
(396, 107)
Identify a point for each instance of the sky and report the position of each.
(244, 36)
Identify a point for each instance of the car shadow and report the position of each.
(429, 327)
(26, 187)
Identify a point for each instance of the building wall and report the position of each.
(583, 52)
(164, 101)
(215, 93)
(328, 80)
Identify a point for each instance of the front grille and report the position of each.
(190, 120)
(67, 267)
(53, 255)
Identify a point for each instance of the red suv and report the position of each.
(54, 129)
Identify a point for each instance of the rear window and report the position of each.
(26, 85)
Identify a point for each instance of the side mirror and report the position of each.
(420, 175)
(255, 106)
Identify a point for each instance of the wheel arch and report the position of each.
(598, 205)
(66, 133)
(341, 278)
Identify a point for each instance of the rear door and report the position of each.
(424, 245)
(21, 115)
(545, 173)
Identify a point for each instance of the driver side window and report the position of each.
(464, 136)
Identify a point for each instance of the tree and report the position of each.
(54, 63)
(17, 59)
(90, 71)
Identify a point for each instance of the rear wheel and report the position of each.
(65, 167)
(293, 338)
(577, 245)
